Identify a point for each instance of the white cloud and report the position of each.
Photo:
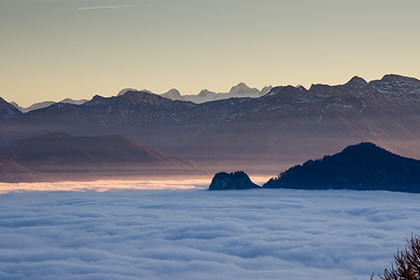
(198, 234)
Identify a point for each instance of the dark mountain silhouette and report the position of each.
(285, 126)
(364, 166)
(238, 180)
(66, 157)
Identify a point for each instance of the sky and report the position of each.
(198, 234)
(54, 49)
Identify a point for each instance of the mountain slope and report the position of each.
(364, 166)
(12, 172)
(7, 110)
(112, 155)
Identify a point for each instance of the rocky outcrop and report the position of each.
(238, 180)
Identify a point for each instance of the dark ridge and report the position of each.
(395, 77)
(364, 166)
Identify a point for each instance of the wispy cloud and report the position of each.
(104, 7)
(37, 1)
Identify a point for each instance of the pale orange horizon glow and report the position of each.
(114, 185)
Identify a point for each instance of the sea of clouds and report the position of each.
(136, 232)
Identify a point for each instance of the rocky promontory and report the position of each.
(238, 180)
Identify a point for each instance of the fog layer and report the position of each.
(197, 234)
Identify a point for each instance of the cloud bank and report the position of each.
(197, 234)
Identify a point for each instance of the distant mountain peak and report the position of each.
(243, 89)
(173, 94)
(123, 91)
(265, 90)
(357, 81)
(240, 85)
(174, 91)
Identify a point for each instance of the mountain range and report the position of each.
(44, 104)
(259, 135)
(240, 90)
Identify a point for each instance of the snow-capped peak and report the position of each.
(123, 91)
(242, 89)
(173, 94)
(75, 102)
(238, 91)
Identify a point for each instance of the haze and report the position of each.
(52, 49)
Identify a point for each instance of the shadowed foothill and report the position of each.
(364, 166)
(60, 156)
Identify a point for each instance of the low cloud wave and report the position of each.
(197, 234)
(104, 185)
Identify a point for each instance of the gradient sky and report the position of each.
(53, 49)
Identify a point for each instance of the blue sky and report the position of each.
(53, 49)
